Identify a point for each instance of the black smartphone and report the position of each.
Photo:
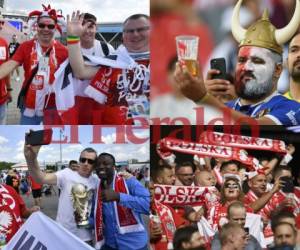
(288, 184)
(219, 64)
(39, 137)
(246, 229)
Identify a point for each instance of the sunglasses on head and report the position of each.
(84, 160)
(139, 30)
(49, 26)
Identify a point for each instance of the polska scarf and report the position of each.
(166, 145)
(245, 142)
(127, 221)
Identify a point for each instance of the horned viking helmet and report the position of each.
(262, 33)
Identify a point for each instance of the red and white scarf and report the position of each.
(166, 145)
(41, 85)
(184, 195)
(167, 221)
(241, 141)
(99, 86)
(127, 221)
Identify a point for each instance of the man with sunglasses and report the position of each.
(125, 92)
(67, 180)
(40, 58)
(5, 88)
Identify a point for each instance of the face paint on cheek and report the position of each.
(244, 53)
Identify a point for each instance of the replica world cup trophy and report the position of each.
(81, 199)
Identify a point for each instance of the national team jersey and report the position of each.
(276, 107)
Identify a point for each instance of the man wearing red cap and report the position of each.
(40, 58)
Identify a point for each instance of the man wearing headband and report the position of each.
(258, 68)
(40, 58)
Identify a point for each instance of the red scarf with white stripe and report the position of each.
(125, 217)
(166, 218)
(167, 145)
(36, 94)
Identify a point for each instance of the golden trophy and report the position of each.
(82, 204)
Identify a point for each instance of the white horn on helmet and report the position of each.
(284, 34)
(237, 30)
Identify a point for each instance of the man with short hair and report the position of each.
(229, 167)
(233, 237)
(184, 172)
(188, 238)
(204, 178)
(73, 165)
(125, 92)
(124, 202)
(40, 57)
(236, 212)
(68, 181)
(164, 175)
(294, 69)
(284, 235)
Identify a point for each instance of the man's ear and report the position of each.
(159, 179)
(249, 183)
(278, 70)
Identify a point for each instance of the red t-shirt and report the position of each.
(3, 58)
(34, 185)
(22, 55)
(11, 206)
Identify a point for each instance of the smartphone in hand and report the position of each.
(288, 184)
(39, 137)
(219, 64)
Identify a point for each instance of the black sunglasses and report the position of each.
(139, 30)
(84, 160)
(2, 22)
(49, 26)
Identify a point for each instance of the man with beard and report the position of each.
(123, 203)
(293, 61)
(258, 68)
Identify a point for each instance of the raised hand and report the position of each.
(74, 24)
(190, 86)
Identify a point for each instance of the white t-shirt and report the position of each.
(96, 50)
(65, 216)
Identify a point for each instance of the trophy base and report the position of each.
(83, 225)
